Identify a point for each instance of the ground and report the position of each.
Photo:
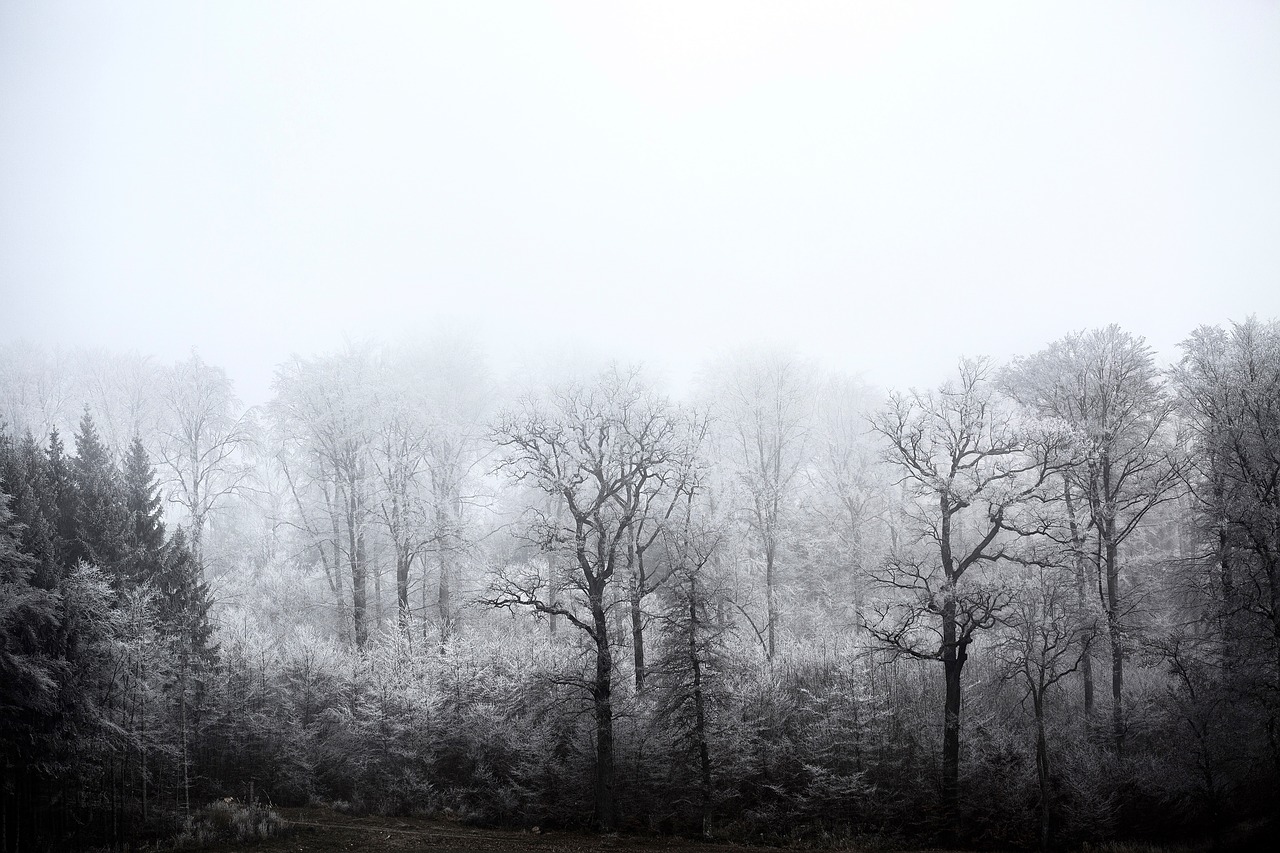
(325, 831)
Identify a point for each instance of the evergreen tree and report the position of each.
(64, 497)
(29, 680)
(24, 475)
(184, 599)
(101, 518)
(144, 530)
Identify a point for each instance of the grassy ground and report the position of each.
(325, 831)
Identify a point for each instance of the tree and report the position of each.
(846, 501)
(142, 501)
(1048, 636)
(26, 473)
(691, 654)
(322, 409)
(1105, 384)
(972, 475)
(1228, 385)
(29, 680)
(399, 451)
(766, 404)
(202, 434)
(598, 446)
(100, 515)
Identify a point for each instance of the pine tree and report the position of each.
(29, 683)
(144, 529)
(24, 475)
(184, 599)
(101, 518)
(64, 497)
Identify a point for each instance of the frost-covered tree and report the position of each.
(322, 413)
(203, 433)
(599, 446)
(1104, 383)
(764, 407)
(973, 476)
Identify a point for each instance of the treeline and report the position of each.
(1035, 606)
(106, 649)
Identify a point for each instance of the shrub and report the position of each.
(228, 820)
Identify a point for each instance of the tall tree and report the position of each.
(765, 403)
(101, 518)
(598, 446)
(142, 500)
(973, 476)
(202, 434)
(322, 409)
(1105, 384)
(1229, 389)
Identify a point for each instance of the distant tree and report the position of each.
(120, 389)
(973, 476)
(765, 404)
(322, 410)
(202, 435)
(598, 446)
(399, 449)
(847, 498)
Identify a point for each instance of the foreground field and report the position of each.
(325, 831)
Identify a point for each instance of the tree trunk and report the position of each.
(1116, 637)
(602, 696)
(1042, 768)
(359, 580)
(769, 595)
(954, 655)
(699, 711)
(637, 617)
(1082, 595)
(404, 562)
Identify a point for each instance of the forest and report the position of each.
(1034, 606)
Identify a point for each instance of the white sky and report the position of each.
(883, 185)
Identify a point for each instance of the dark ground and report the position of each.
(326, 831)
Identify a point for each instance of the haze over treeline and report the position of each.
(1032, 604)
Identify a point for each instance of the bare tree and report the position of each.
(974, 478)
(1105, 384)
(1229, 390)
(766, 406)
(323, 407)
(1048, 636)
(202, 434)
(599, 447)
(847, 491)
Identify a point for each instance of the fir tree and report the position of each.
(64, 497)
(184, 599)
(101, 519)
(29, 676)
(145, 527)
(25, 476)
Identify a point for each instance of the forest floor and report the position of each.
(315, 830)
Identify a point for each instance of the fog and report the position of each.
(820, 425)
(883, 186)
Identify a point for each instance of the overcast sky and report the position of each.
(881, 185)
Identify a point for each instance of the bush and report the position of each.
(228, 820)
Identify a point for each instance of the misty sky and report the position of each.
(882, 185)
